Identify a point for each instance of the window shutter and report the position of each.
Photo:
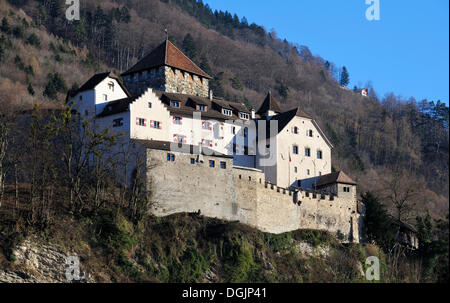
(151, 123)
(137, 121)
(203, 124)
(145, 122)
(184, 139)
(160, 125)
(175, 138)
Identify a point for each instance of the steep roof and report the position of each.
(192, 149)
(286, 117)
(167, 54)
(336, 177)
(269, 104)
(117, 106)
(186, 107)
(95, 80)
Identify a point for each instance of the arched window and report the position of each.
(111, 86)
(295, 130)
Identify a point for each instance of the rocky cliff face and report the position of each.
(35, 263)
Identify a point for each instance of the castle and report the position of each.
(269, 168)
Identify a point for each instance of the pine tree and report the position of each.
(345, 77)
(5, 26)
(189, 47)
(30, 89)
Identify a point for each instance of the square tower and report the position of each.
(167, 69)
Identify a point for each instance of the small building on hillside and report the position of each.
(406, 235)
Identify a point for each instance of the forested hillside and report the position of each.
(394, 146)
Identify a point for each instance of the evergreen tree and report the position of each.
(189, 47)
(377, 223)
(30, 89)
(5, 26)
(204, 65)
(345, 77)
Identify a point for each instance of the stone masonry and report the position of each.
(167, 79)
(241, 194)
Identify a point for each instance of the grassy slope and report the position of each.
(189, 248)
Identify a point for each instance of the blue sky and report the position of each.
(405, 52)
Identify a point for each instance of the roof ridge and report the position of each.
(187, 58)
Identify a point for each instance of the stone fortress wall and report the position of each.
(167, 79)
(241, 194)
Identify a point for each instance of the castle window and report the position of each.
(233, 130)
(111, 86)
(295, 130)
(149, 105)
(207, 142)
(192, 161)
(177, 120)
(308, 172)
(155, 124)
(179, 139)
(295, 169)
(212, 163)
(309, 133)
(244, 116)
(171, 157)
(201, 108)
(175, 104)
(308, 152)
(319, 154)
(118, 122)
(207, 125)
(320, 173)
(226, 112)
(141, 122)
(346, 189)
(295, 150)
(223, 165)
(105, 97)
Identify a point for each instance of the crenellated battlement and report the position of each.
(190, 183)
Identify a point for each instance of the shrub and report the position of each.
(18, 32)
(33, 40)
(277, 242)
(242, 268)
(191, 268)
(55, 84)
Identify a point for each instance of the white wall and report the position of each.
(286, 139)
(103, 89)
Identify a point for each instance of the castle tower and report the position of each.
(270, 107)
(167, 69)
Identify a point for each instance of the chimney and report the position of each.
(253, 113)
(210, 94)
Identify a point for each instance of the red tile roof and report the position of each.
(167, 54)
(336, 177)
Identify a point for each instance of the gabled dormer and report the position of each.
(198, 104)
